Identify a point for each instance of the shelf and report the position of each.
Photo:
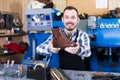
(7, 54)
(11, 56)
(7, 35)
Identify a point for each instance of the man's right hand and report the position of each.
(53, 49)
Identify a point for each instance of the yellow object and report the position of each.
(36, 4)
(39, 64)
(83, 15)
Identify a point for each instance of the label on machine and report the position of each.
(39, 19)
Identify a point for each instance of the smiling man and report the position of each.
(71, 58)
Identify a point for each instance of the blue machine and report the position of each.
(106, 35)
(38, 22)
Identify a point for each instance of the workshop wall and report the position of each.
(89, 6)
(113, 4)
(19, 6)
(10, 7)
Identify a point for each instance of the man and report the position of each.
(70, 57)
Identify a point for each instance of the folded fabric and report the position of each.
(14, 47)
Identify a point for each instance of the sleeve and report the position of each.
(84, 42)
(43, 48)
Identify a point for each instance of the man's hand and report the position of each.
(53, 49)
(73, 50)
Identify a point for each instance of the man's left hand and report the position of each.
(73, 50)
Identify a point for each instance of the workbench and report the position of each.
(91, 75)
(10, 74)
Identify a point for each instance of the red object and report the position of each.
(15, 47)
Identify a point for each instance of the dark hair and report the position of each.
(117, 10)
(70, 8)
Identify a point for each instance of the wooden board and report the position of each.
(87, 6)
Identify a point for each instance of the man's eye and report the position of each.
(66, 17)
(72, 17)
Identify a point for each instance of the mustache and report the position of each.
(70, 23)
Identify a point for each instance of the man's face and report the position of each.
(70, 19)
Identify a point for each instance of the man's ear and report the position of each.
(78, 19)
(62, 19)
